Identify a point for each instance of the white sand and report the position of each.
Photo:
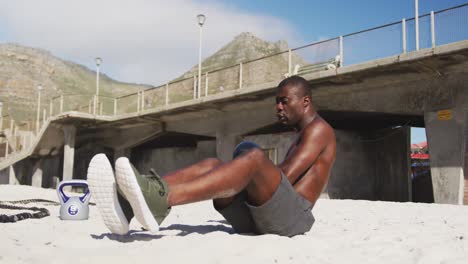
(346, 231)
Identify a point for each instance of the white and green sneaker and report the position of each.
(147, 194)
(114, 209)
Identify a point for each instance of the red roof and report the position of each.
(419, 156)
(420, 145)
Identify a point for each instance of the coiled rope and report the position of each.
(38, 211)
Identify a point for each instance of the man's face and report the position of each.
(289, 105)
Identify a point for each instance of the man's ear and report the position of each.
(306, 100)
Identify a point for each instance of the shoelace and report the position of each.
(154, 176)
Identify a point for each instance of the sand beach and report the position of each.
(345, 231)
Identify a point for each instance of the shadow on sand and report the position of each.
(199, 229)
(131, 236)
(142, 235)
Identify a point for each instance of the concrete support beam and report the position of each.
(225, 143)
(4, 176)
(36, 179)
(69, 133)
(447, 137)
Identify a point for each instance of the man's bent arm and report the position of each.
(313, 142)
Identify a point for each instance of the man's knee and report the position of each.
(211, 163)
(257, 156)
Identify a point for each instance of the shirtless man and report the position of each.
(253, 194)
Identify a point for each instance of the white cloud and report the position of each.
(145, 41)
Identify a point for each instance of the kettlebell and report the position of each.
(74, 207)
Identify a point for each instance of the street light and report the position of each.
(38, 118)
(416, 22)
(96, 100)
(201, 20)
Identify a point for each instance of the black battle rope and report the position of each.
(39, 212)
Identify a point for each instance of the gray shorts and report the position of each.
(287, 213)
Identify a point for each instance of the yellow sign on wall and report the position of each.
(444, 114)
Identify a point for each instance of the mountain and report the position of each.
(22, 69)
(244, 47)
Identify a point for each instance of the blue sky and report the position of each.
(155, 41)
(326, 19)
(330, 18)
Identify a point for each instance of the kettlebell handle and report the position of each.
(79, 183)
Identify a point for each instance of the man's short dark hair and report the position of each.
(296, 81)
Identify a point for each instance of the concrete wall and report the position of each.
(279, 142)
(83, 156)
(354, 170)
(371, 165)
(393, 166)
(165, 160)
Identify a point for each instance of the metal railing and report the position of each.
(436, 28)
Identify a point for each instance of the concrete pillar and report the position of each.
(36, 179)
(4, 176)
(225, 143)
(446, 136)
(69, 132)
(11, 172)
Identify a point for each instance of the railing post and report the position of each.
(433, 30)
(15, 143)
(403, 36)
(341, 51)
(12, 123)
(44, 115)
(50, 108)
(1, 122)
(194, 86)
(138, 101)
(241, 73)
(61, 103)
(115, 106)
(142, 100)
(289, 62)
(6, 149)
(167, 93)
(206, 83)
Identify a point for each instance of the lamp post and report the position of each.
(38, 117)
(416, 22)
(96, 100)
(201, 20)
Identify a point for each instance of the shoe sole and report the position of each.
(129, 185)
(103, 188)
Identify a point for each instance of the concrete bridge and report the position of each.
(371, 105)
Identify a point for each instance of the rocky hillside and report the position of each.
(22, 69)
(244, 47)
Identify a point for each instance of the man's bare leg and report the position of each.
(191, 172)
(252, 171)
